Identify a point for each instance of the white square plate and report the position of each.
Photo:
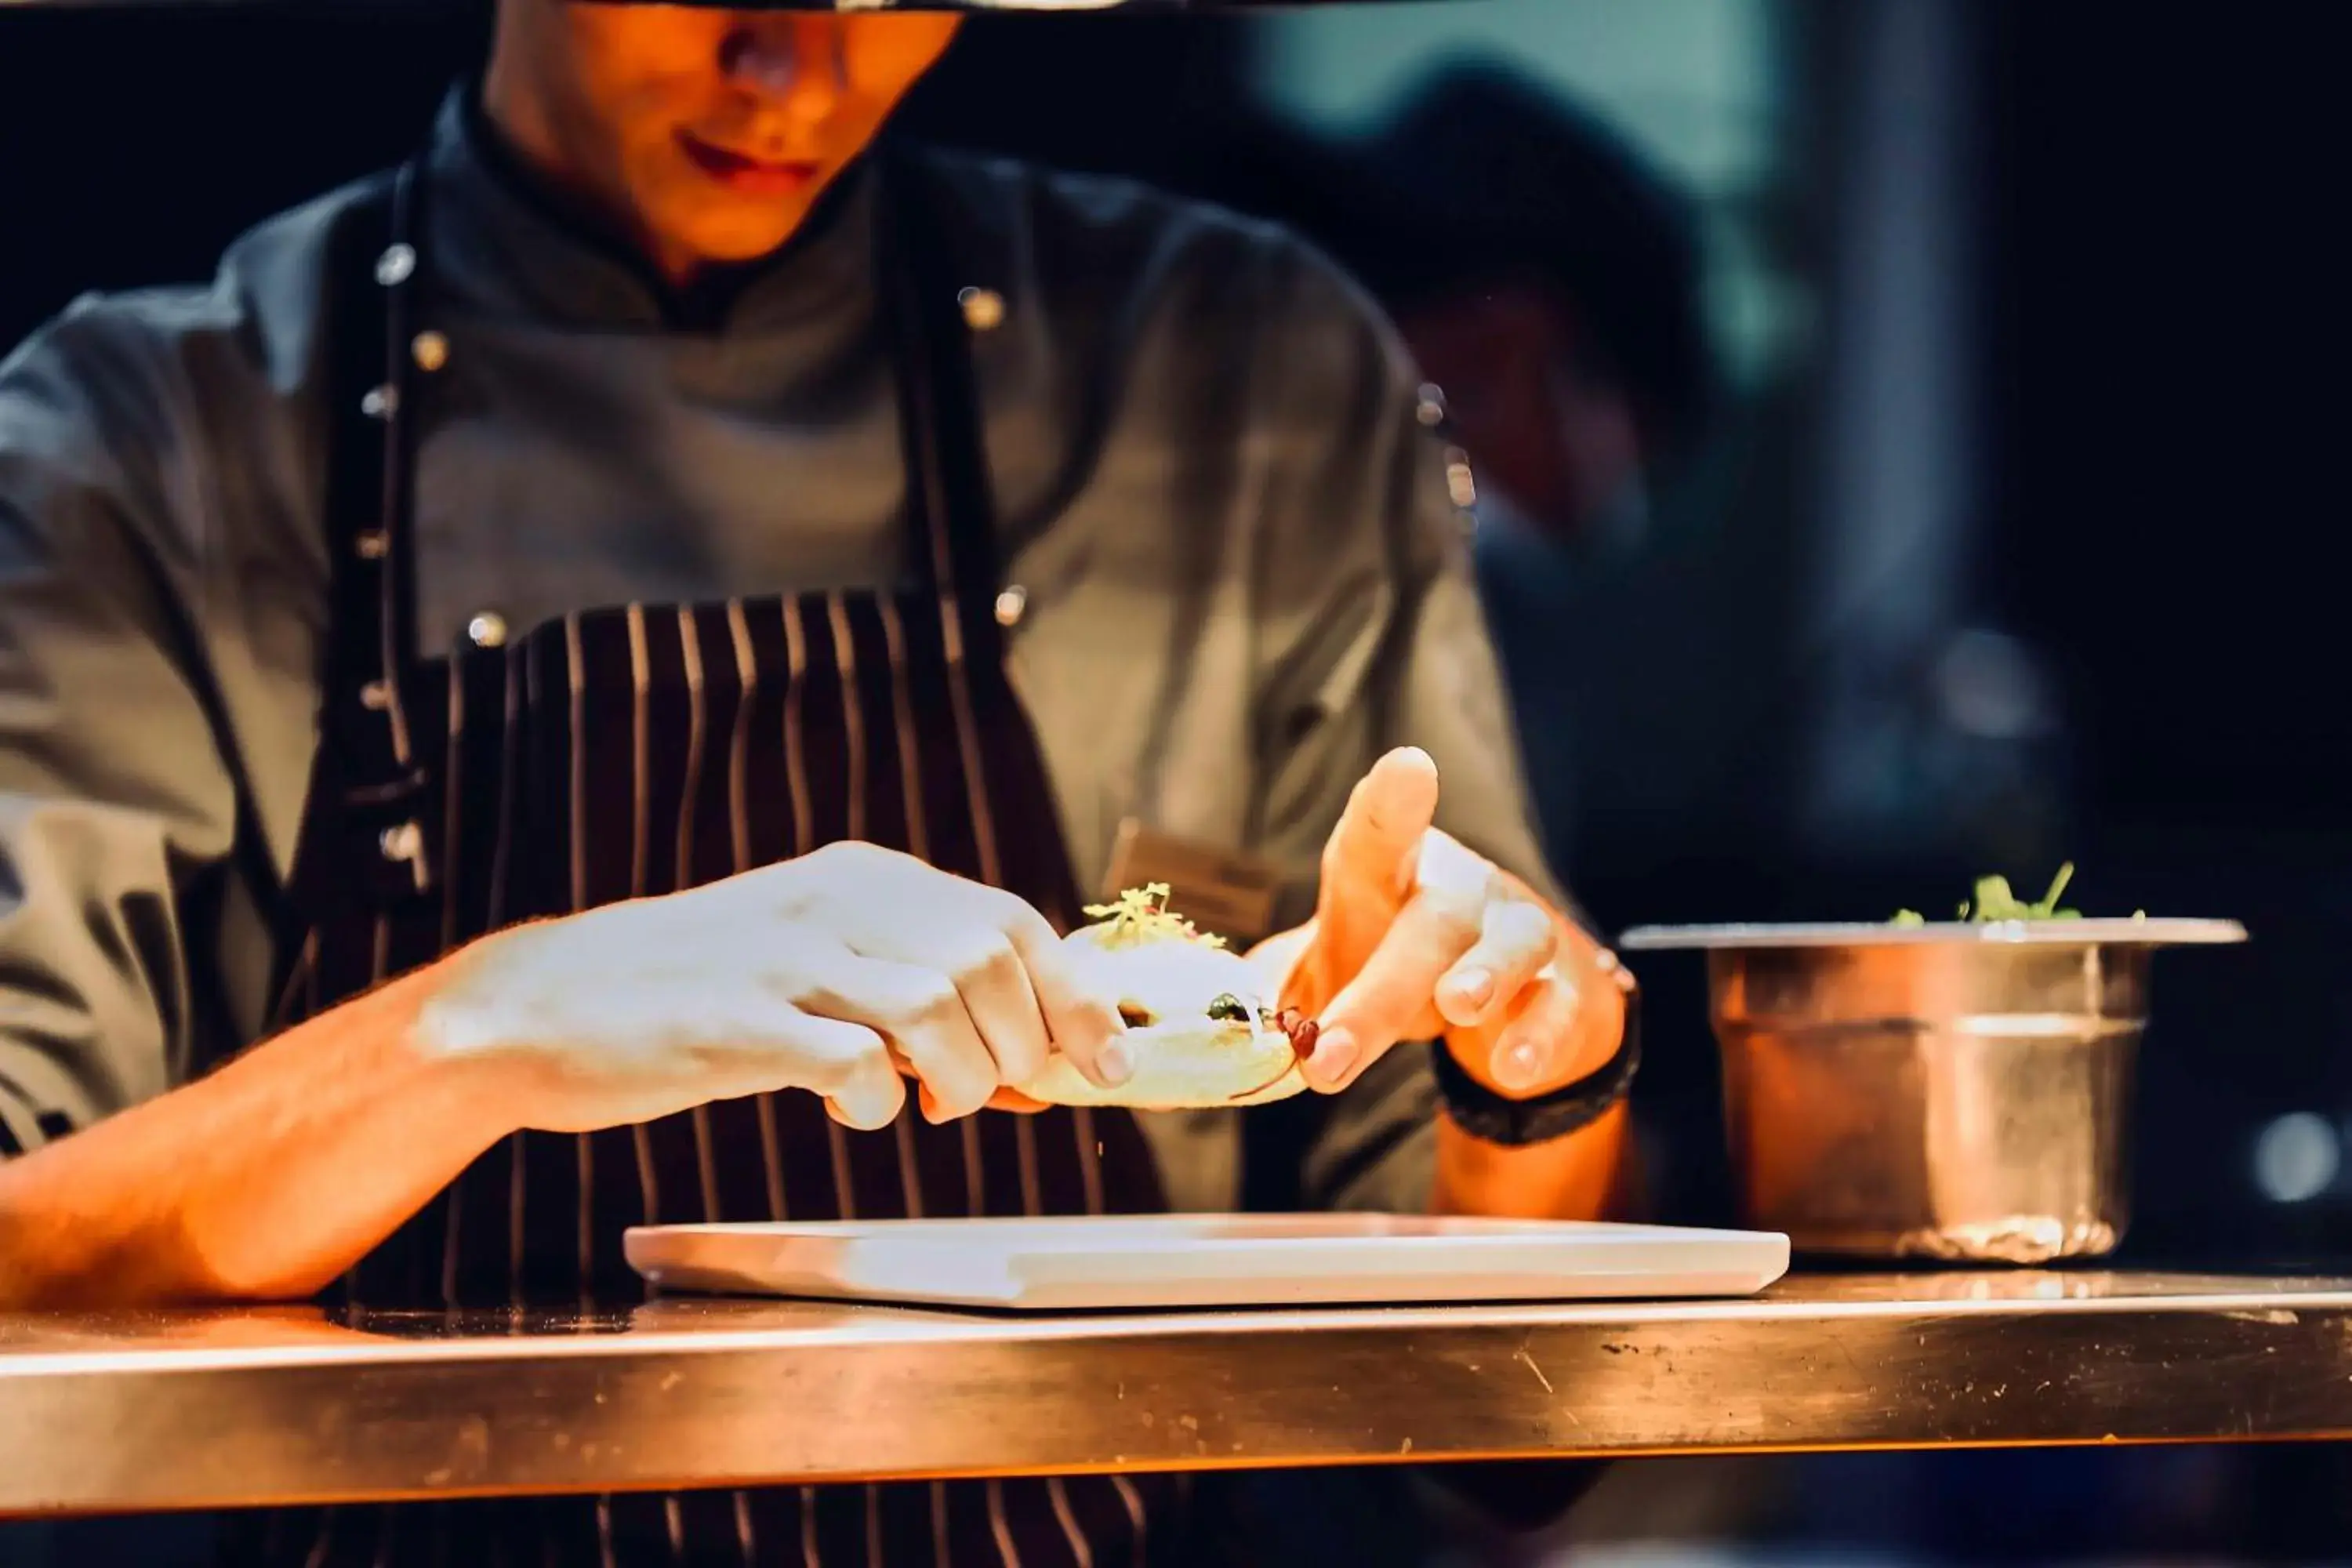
(1205, 1260)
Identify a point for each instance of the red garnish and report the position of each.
(1301, 1030)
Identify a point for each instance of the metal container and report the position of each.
(1958, 1092)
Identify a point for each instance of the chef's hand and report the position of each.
(836, 973)
(1417, 938)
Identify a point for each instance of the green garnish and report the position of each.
(1141, 915)
(1994, 901)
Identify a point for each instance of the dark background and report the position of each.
(2161, 347)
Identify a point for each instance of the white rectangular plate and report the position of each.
(1205, 1260)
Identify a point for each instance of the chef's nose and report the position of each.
(790, 63)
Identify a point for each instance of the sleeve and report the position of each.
(1373, 637)
(114, 796)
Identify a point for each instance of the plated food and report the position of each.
(1201, 1029)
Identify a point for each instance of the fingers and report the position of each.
(849, 1067)
(1516, 939)
(1531, 1047)
(870, 1094)
(978, 1005)
(994, 983)
(838, 973)
(1369, 862)
(1081, 1025)
(1004, 960)
(1390, 997)
(922, 1014)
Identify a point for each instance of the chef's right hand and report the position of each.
(836, 972)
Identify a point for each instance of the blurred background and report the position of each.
(1903, 435)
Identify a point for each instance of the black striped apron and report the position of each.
(638, 750)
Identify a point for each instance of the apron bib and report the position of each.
(640, 750)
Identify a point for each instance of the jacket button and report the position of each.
(1010, 605)
(486, 629)
(984, 309)
(395, 266)
(1461, 485)
(404, 842)
(429, 350)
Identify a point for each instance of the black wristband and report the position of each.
(1510, 1123)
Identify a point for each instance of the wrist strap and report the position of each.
(1510, 1123)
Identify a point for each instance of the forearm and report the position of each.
(265, 1180)
(1574, 1177)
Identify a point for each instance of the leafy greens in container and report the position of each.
(1995, 902)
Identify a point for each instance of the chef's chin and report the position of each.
(694, 213)
(737, 229)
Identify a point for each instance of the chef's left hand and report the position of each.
(1415, 938)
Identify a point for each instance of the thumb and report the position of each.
(1370, 861)
(870, 1095)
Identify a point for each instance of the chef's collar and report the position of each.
(503, 243)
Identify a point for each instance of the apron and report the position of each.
(638, 750)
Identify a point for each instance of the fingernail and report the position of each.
(1520, 1066)
(1116, 1063)
(1473, 988)
(1335, 1055)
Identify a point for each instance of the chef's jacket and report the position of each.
(1235, 573)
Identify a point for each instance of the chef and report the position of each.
(612, 649)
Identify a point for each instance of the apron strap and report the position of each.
(952, 506)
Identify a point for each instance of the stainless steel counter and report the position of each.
(210, 1408)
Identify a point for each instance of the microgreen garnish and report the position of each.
(1141, 914)
(1994, 901)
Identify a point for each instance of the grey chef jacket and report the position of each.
(1241, 576)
